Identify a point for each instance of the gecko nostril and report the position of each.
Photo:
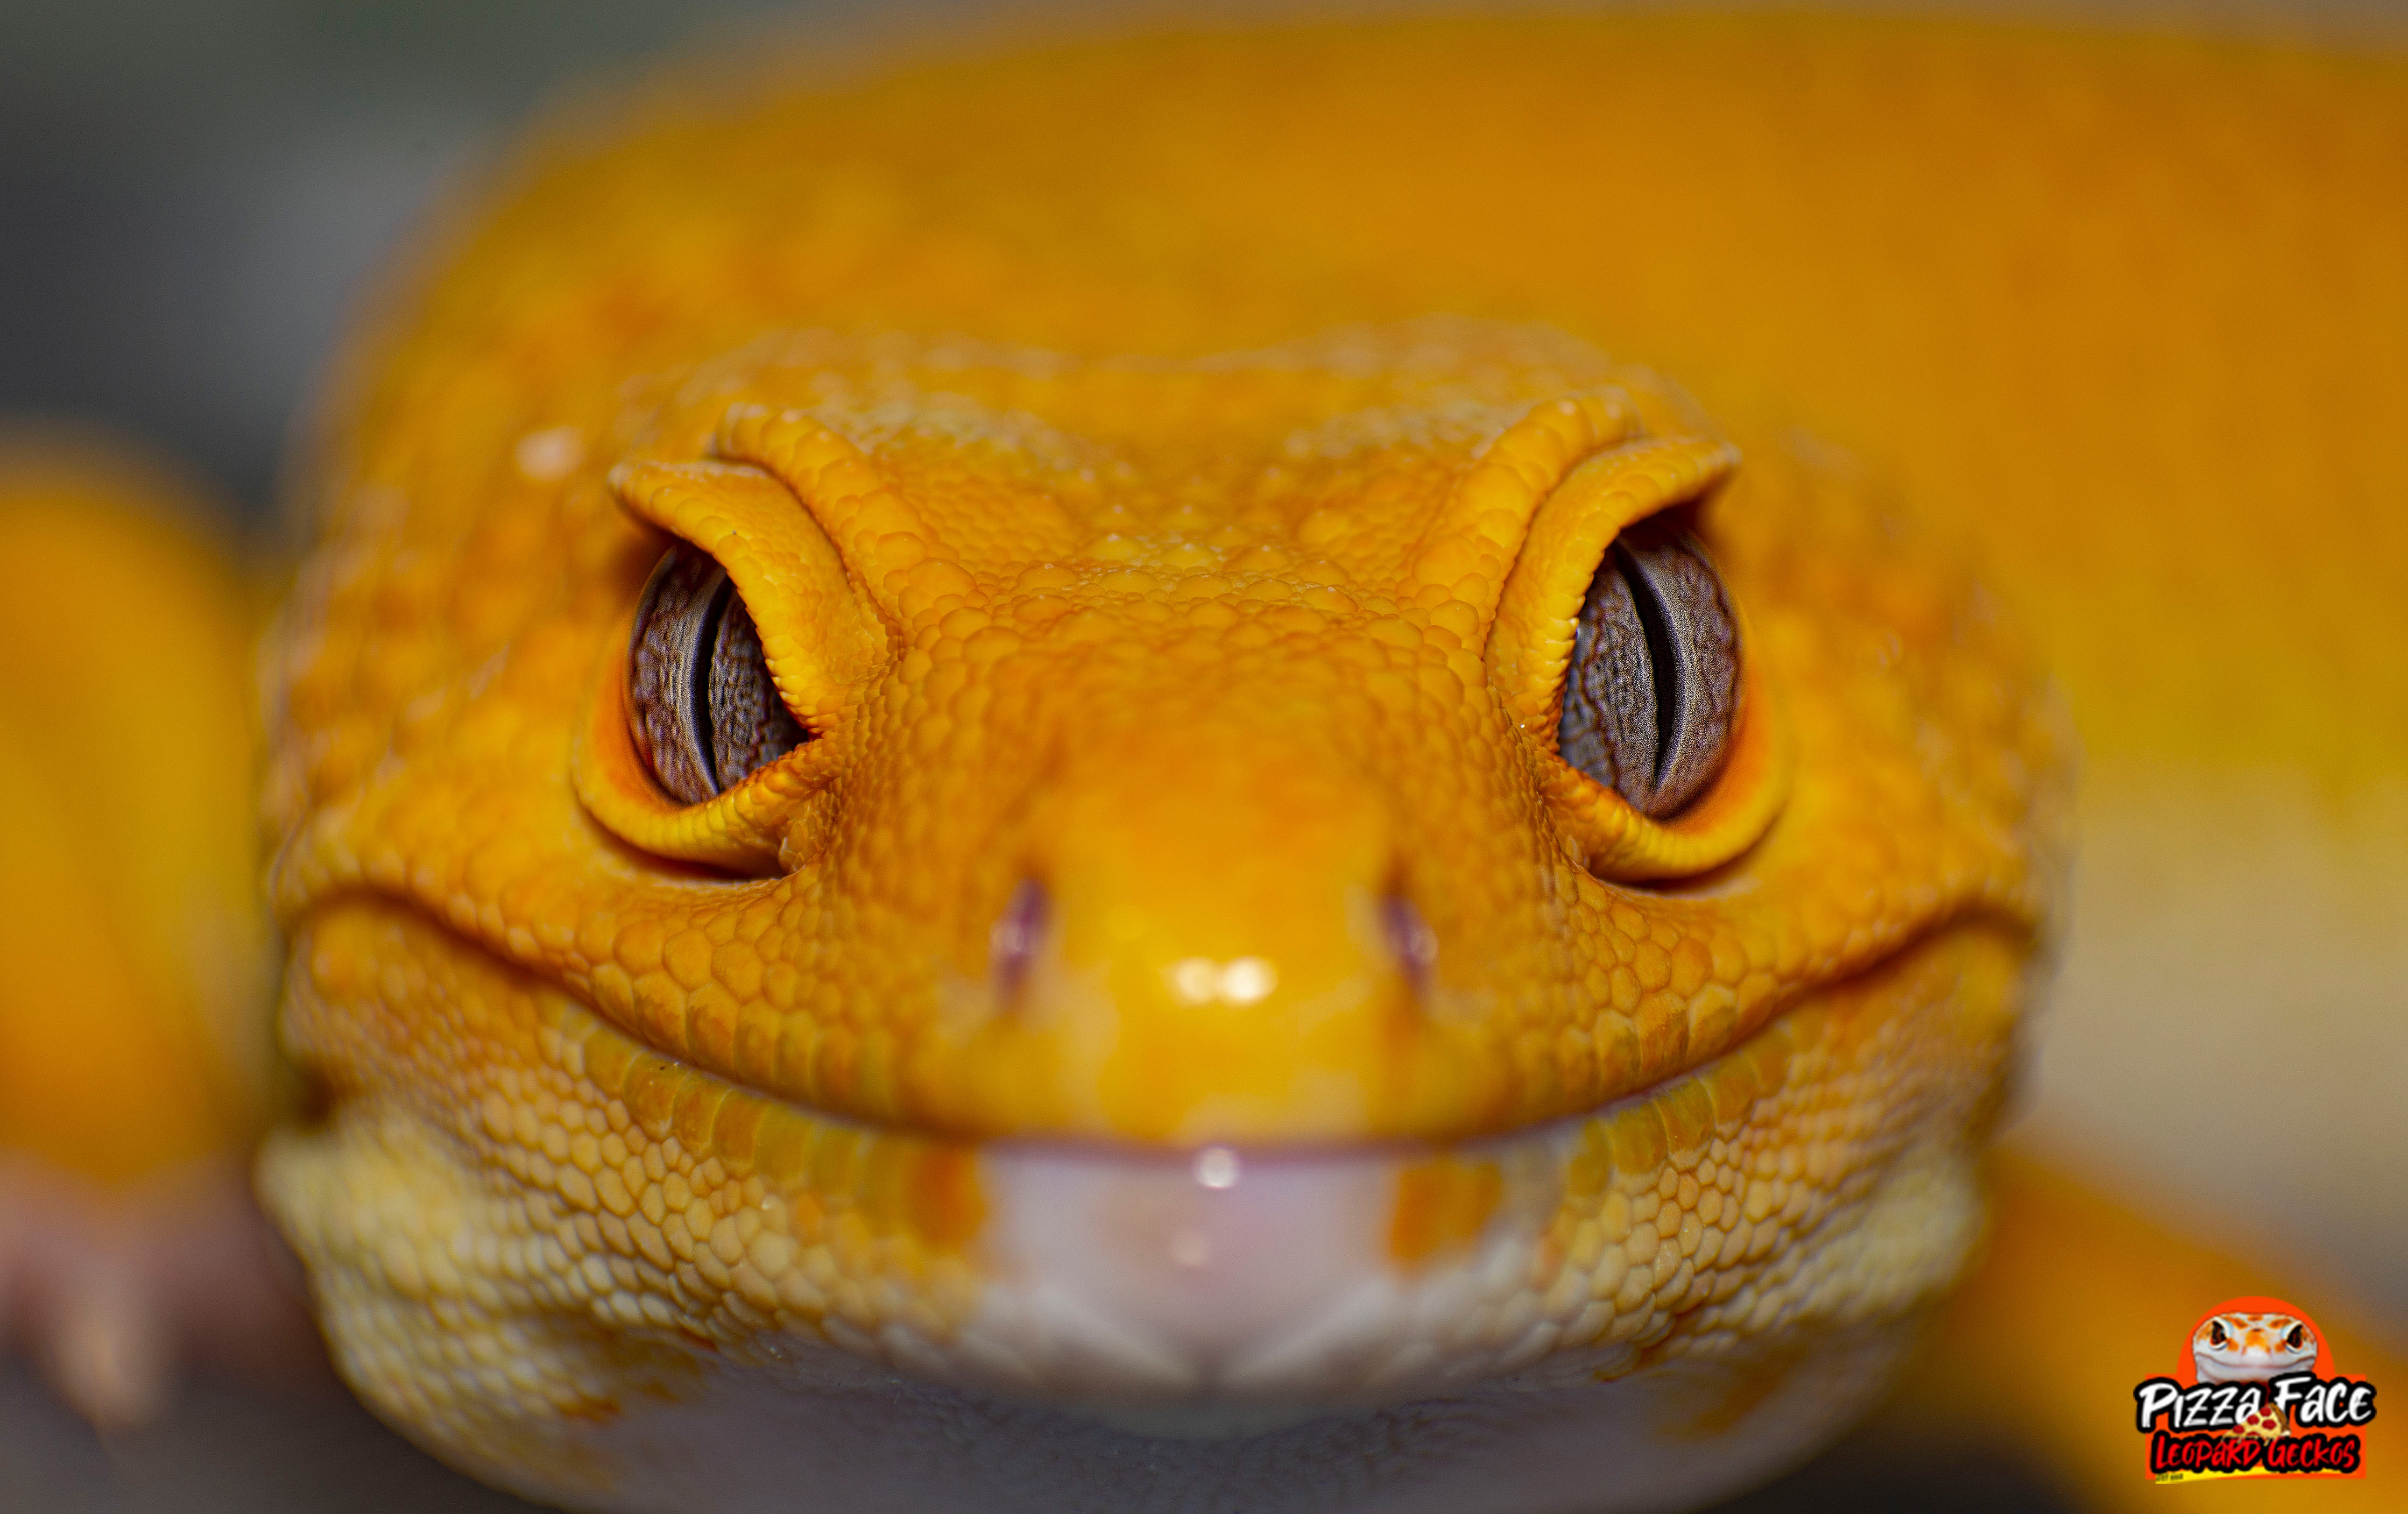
(1013, 940)
(1411, 940)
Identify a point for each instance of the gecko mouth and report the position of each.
(1216, 1289)
(1819, 1171)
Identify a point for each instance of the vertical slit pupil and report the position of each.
(705, 651)
(1663, 668)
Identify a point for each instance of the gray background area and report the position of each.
(191, 193)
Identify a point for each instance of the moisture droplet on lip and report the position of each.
(1217, 1167)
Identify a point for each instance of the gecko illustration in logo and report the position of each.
(2257, 1395)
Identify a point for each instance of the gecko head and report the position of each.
(2252, 1348)
(1258, 751)
(1236, 883)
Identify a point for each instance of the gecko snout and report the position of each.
(1237, 927)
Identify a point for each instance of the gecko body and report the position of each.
(1046, 782)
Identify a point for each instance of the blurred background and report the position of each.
(194, 193)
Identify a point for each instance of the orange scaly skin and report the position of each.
(652, 1123)
(685, 1158)
(1195, 646)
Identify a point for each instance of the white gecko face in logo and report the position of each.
(2252, 1348)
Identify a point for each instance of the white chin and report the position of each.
(1208, 1296)
(1214, 1333)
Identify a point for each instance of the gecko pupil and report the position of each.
(701, 704)
(1654, 680)
(697, 691)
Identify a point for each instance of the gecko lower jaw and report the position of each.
(1217, 1290)
(742, 1291)
(1804, 1178)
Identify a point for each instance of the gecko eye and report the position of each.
(703, 710)
(2297, 1338)
(2215, 1335)
(1654, 680)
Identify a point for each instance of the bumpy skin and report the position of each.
(674, 1156)
(583, 1090)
